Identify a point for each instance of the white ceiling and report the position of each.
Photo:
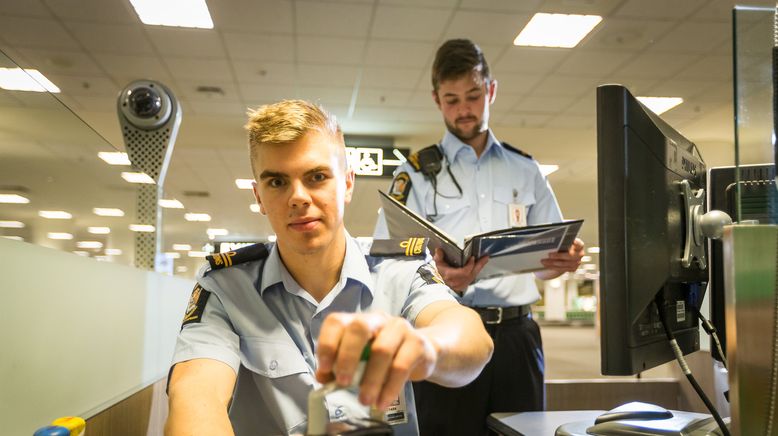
(367, 61)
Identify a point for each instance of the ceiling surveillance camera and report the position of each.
(149, 115)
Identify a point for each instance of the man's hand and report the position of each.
(398, 353)
(458, 279)
(561, 262)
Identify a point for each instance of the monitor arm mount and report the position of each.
(699, 225)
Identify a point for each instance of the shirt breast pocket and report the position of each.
(446, 206)
(514, 204)
(272, 359)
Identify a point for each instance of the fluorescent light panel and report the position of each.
(113, 251)
(114, 157)
(99, 230)
(143, 228)
(204, 217)
(14, 238)
(11, 225)
(217, 232)
(660, 105)
(137, 178)
(59, 235)
(197, 254)
(593, 250)
(176, 13)
(89, 244)
(13, 199)
(54, 214)
(244, 183)
(17, 79)
(171, 204)
(173, 255)
(108, 211)
(182, 247)
(556, 30)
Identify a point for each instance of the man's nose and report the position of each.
(300, 196)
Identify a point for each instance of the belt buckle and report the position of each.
(499, 316)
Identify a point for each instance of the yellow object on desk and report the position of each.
(76, 425)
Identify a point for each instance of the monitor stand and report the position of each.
(644, 419)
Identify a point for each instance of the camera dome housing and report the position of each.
(146, 104)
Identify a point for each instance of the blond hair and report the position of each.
(287, 121)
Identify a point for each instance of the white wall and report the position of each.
(77, 335)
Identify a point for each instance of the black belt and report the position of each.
(496, 315)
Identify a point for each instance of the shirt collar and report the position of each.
(354, 267)
(452, 145)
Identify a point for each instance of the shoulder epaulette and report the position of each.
(516, 150)
(409, 247)
(241, 255)
(432, 153)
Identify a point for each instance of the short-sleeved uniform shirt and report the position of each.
(494, 185)
(261, 323)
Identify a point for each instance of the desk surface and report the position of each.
(537, 423)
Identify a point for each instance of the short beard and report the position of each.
(463, 135)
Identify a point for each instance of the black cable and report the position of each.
(659, 303)
(713, 333)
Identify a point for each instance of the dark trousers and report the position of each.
(512, 381)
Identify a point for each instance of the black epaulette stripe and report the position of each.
(413, 159)
(516, 150)
(241, 255)
(408, 247)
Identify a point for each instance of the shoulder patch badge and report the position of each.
(429, 272)
(401, 186)
(241, 255)
(411, 247)
(196, 306)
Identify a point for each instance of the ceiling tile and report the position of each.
(516, 83)
(636, 85)
(657, 65)
(99, 86)
(593, 63)
(426, 3)
(34, 32)
(406, 115)
(97, 104)
(252, 15)
(487, 27)
(260, 47)
(29, 8)
(204, 107)
(176, 41)
(133, 67)
(568, 122)
(326, 96)
(95, 10)
(329, 50)
(198, 68)
(530, 59)
(257, 72)
(398, 54)
(60, 61)
(584, 7)
(417, 23)
(685, 89)
(523, 120)
(501, 5)
(383, 97)
(564, 86)
(625, 34)
(332, 19)
(586, 105)
(111, 38)
(504, 103)
(693, 38)
(403, 78)
(256, 95)
(188, 90)
(326, 75)
(422, 98)
(715, 10)
(664, 9)
(544, 104)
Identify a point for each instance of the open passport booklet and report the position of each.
(514, 250)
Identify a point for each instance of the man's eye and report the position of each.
(318, 177)
(451, 101)
(275, 183)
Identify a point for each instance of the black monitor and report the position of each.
(650, 180)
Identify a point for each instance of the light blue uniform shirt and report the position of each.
(490, 184)
(260, 322)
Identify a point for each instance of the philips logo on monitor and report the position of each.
(688, 166)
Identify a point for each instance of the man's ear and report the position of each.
(436, 98)
(350, 179)
(256, 197)
(492, 90)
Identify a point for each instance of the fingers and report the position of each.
(382, 355)
(479, 266)
(409, 357)
(342, 338)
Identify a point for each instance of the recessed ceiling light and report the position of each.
(143, 228)
(113, 251)
(114, 157)
(13, 198)
(11, 225)
(217, 232)
(244, 183)
(89, 244)
(586, 259)
(172, 255)
(99, 230)
(254, 207)
(593, 250)
(181, 269)
(660, 105)
(59, 235)
(197, 217)
(197, 254)
(171, 204)
(589, 266)
(17, 79)
(176, 13)
(137, 178)
(548, 169)
(108, 211)
(14, 238)
(182, 247)
(81, 253)
(54, 214)
(556, 30)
